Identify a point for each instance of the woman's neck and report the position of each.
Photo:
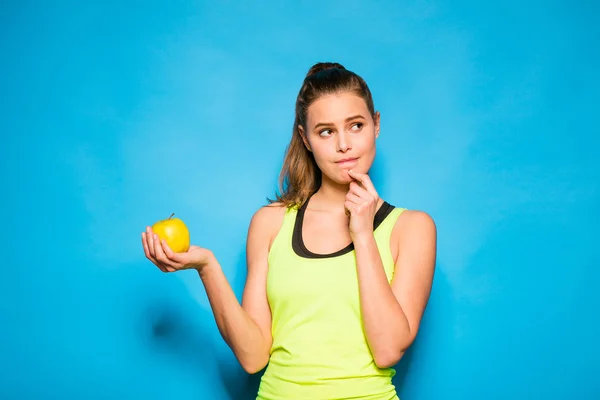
(331, 196)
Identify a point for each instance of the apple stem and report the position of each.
(171, 216)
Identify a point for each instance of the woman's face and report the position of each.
(341, 133)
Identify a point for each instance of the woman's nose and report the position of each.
(343, 143)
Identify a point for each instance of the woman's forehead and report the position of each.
(336, 108)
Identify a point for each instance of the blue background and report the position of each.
(116, 114)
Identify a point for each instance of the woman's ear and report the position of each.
(303, 136)
(376, 120)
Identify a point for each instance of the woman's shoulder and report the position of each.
(411, 220)
(270, 211)
(268, 219)
(417, 217)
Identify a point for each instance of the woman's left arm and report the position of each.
(391, 313)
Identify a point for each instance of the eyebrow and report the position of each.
(325, 124)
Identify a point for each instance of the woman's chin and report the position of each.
(344, 178)
(340, 177)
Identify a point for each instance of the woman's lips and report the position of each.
(347, 162)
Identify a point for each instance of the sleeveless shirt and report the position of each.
(319, 349)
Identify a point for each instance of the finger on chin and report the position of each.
(365, 182)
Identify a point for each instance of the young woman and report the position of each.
(338, 279)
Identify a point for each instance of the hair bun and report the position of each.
(322, 66)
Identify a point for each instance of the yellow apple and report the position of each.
(174, 232)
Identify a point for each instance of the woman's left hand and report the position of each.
(361, 202)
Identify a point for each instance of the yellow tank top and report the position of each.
(319, 347)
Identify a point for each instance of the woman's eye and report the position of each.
(325, 132)
(357, 126)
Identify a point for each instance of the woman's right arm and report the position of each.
(245, 328)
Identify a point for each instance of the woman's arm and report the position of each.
(392, 313)
(245, 331)
(245, 328)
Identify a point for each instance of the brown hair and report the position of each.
(300, 176)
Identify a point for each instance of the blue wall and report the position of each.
(116, 114)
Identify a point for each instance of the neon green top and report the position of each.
(319, 347)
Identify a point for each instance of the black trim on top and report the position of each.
(298, 242)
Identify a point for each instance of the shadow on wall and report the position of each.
(433, 345)
(182, 331)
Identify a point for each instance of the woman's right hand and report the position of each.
(167, 260)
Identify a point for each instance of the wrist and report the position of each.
(363, 239)
(207, 267)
